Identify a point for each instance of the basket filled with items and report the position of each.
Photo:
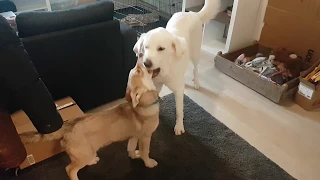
(274, 73)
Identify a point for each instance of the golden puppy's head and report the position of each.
(140, 89)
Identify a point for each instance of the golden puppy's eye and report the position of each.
(161, 48)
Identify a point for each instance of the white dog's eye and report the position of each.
(161, 48)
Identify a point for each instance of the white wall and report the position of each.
(260, 19)
(243, 24)
(191, 3)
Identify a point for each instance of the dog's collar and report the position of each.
(155, 102)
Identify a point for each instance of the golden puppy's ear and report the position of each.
(149, 97)
(179, 46)
(138, 47)
(134, 96)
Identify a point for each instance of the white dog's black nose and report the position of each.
(148, 63)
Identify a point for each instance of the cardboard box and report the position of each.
(37, 152)
(11, 18)
(293, 24)
(308, 95)
(83, 2)
(8, 15)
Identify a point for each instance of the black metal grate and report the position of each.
(163, 9)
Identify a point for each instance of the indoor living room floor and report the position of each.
(286, 134)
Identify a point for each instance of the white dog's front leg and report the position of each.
(196, 78)
(179, 127)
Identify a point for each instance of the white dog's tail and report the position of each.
(210, 10)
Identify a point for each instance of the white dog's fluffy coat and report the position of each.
(170, 49)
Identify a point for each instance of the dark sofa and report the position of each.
(81, 52)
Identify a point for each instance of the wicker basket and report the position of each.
(276, 93)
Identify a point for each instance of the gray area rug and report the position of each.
(207, 151)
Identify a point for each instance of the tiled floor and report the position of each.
(288, 135)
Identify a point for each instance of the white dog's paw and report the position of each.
(150, 163)
(179, 129)
(196, 85)
(134, 154)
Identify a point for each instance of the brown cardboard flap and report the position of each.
(23, 123)
(40, 151)
(306, 100)
(304, 8)
(307, 84)
(293, 24)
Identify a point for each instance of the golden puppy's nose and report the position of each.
(148, 63)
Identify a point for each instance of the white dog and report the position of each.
(167, 52)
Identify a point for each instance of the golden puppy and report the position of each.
(135, 120)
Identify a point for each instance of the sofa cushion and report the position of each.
(129, 38)
(37, 22)
(7, 5)
(81, 63)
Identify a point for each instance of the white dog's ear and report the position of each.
(138, 47)
(179, 46)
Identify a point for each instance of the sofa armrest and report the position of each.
(20, 77)
(129, 38)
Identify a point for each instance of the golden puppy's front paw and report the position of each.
(151, 163)
(134, 154)
(95, 160)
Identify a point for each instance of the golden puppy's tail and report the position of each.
(210, 10)
(33, 137)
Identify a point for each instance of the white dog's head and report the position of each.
(159, 48)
